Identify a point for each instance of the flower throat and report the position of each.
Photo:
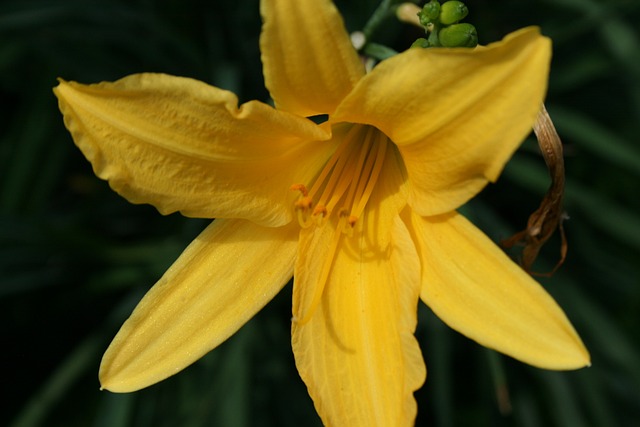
(340, 194)
(345, 184)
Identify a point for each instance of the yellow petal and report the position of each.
(229, 272)
(456, 114)
(476, 289)
(308, 61)
(182, 145)
(357, 353)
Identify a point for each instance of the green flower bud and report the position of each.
(452, 12)
(421, 42)
(429, 13)
(458, 35)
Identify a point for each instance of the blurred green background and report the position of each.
(75, 257)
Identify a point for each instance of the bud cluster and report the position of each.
(442, 23)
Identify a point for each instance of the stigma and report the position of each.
(343, 188)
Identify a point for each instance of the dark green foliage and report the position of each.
(75, 257)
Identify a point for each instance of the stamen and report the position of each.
(364, 153)
(348, 179)
(373, 178)
(324, 275)
(363, 179)
(332, 161)
(304, 221)
(303, 205)
(346, 227)
(336, 186)
(301, 188)
(320, 210)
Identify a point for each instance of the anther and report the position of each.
(346, 182)
(304, 203)
(320, 210)
(344, 223)
(301, 188)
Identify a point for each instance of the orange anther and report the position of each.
(304, 203)
(320, 209)
(301, 188)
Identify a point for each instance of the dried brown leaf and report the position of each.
(549, 216)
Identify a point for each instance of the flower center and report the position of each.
(340, 194)
(346, 182)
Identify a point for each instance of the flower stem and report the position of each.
(382, 12)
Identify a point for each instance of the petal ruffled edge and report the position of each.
(183, 145)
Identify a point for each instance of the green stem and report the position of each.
(378, 51)
(434, 41)
(382, 12)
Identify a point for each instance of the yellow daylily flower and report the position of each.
(360, 209)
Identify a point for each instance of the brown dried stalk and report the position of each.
(550, 215)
